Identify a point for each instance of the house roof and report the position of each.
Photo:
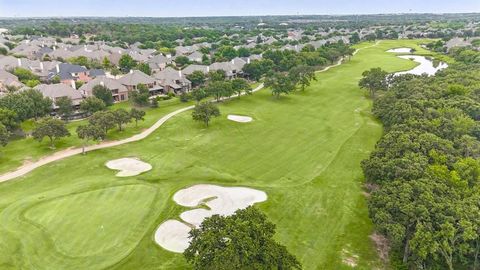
(109, 83)
(55, 91)
(136, 77)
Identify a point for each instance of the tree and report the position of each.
(51, 128)
(216, 75)
(92, 105)
(219, 89)
(240, 241)
(89, 132)
(240, 86)
(204, 112)
(40, 105)
(137, 115)
(65, 107)
(199, 94)
(197, 78)
(9, 119)
(302, 75)
(355, 38)
(121, 117)
(103, 93)
(126, 63)
(374, 80)
(279, 83)
(154, 103)
(256, 69)
(4, 135)
(145, 68)
(103, 119)
(140, 97)
(182, 60)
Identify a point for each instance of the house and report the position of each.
(195, 57)
(192, 68)
(94, 73)
(136, 77)
(173, 80)
(457, 42)
(7, 79)
(69, 73)
(232, 69)
(56, 91)
(159, 62)
(119, 91)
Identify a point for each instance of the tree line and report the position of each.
(424, 174)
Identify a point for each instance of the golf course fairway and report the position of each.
(304, 150)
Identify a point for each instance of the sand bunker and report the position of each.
(400, 50)
(239, 118)
(172, 235)
(128, 166)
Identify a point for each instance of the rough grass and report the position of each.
(304, 150)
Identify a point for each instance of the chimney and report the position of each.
(208, 69)
(233, 62)
(131, 71)
(19, 62)
(58, 68)
(73, 85)
(54, 48)
(102, 83)
(180, 73)
(248, 60)
(41, 66)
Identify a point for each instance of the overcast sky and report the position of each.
(182, 8)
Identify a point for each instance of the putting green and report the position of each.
(304, 150)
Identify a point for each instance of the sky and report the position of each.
(187, 8)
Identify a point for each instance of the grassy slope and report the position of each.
(304, 150)
(26, 150)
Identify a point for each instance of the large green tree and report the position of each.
(374, 80)
(240, 241)
(65, 107)
(137, 115)
(92, 105)
(51, 128)
(140, 96)
(121, 117)
(204, 112)
(103, 119)
(103, 93)
(279, 83)
(89, 132)
(4, 135)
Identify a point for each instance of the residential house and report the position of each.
(159, 62)
(136, 77)
(195, 57)
(56, 91)
(69, 73)
(192, 68)
(119, 91)
(7, 79)
(173, 80)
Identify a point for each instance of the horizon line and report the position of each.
(237, 16)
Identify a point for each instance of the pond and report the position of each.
(427, 65)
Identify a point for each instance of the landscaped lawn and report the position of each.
(24, 150)
(304, 150)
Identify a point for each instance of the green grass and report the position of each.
(19, 151)
(304, 150)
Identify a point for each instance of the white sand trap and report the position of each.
(128, 166)
(400, 50)
(220, 200)
(239, 118)
(172, 235)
